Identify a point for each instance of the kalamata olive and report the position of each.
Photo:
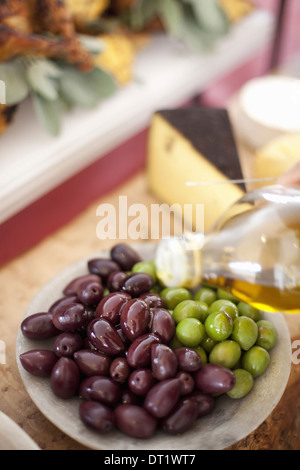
(39, 326)
(122, 335)
(105, 337)
(181, 418)
(38, 362)
(139, 352)
(90, 292)
(162, 397)
(205, 402)
(136, 284)
(100, 388)
(67, 343)
(70, 317)
(91, 362)
(103, 267)
(97, 416)
(134, 318)
(162, 324)
(119, 369)
(65, 377)
(163, 361)
(125, 256)
(188, 359)
(69, 299)
(153, 300)
(214, 378)
(187, 382)
(110, 306)
(72, 287)
(128, 397)
(135, 421)
(115, 280)
(140, 381)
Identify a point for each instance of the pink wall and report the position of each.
(219, 92)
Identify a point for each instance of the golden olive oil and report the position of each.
(253, 251)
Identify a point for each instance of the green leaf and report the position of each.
(196, 39)
(141, 13)
(13, 75)
(86, 89)
(48, 113)
(91, 43)
(39, 75)
(49, 68)
(171, 14)
(102, 82)
(210, 16)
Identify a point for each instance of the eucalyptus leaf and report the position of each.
(85, 89)
(102, 82)
(171, 14)
(210, 16)
(142, 12)
(91, 43)
(40, 80)
(49, 68)
(48, 113)
(195, 39)
(12, 73)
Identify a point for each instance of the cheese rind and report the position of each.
(193, 144)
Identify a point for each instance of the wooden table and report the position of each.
(22, 278)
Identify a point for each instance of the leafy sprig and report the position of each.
(195, 23)
(55, 86)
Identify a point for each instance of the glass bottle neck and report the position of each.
(179, 261)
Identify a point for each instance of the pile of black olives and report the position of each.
(119, 345)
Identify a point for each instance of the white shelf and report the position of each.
(33, 163)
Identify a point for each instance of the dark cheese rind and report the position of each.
(209, 131)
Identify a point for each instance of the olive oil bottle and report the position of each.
(253, 251)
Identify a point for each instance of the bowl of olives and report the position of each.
(118, 361)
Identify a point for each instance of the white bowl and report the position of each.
(268, 108)
(230, 421)
(12, 437)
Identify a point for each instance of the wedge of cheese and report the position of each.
(194, 144)
(276, 157)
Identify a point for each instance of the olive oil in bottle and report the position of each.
(253, 252)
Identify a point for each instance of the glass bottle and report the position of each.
(253, 251)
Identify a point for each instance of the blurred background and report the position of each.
(75, 123)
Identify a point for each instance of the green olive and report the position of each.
(175, 295)
(202, 353)
(243, 384)
(175, 343)
(267, 334)
(226, 353)
(190, 309)
(207, 343)
(218, 325)
(190, 332)
(226, 295)
(247, 310)
(225, 306)
(256, 360)
(145, 267)
(245, 332)
(205, 294)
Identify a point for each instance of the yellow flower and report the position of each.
(118, 56)
(86, 10)
(236, 9)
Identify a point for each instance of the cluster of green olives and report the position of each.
(223, 330)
